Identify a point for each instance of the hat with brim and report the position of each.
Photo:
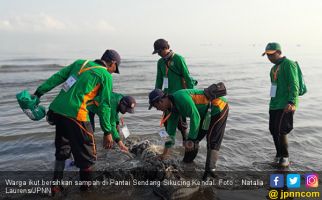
(155, 96)
(156, 99)
(159, 45)
(129, 102)
(271, 48)
(269, 52)
(117, 69)
(112, 55)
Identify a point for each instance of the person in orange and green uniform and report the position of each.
(172, 75)
(81, 82)
(284, 99)
(119, 104)
(194, 104)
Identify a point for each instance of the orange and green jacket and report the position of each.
(93, 81)
(191, 103)
(285, 76)
(114, 120)
(176, 73)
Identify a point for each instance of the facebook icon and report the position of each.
(277, 181)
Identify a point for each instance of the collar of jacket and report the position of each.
(101, 62)
(280, 60)
(173, 109)
(168, 56)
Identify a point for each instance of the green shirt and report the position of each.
(95, 82)
(114, 120)
(286, 80)
(191, 103)
(176, 73)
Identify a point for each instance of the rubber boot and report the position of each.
(284, 161)
(184, 134)
(277, 146)
(58, 175)
(284, 145)
(211, 160)
(85, 175)
(189, 156)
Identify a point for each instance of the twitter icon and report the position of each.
(293, 181)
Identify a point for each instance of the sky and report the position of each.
(131, 26)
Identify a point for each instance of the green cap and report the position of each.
(271, 48)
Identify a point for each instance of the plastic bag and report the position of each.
(30, 105)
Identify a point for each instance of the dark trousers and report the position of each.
(92, 119)
(280, 124)
(74, 137)
(215, 133)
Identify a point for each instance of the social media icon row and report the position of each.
(293, 180)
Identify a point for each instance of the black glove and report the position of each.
(50, 117)
(37, 94)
